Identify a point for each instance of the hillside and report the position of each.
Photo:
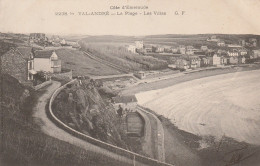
(23, 142)
(81, 107)
(80, 64)
(119, 56)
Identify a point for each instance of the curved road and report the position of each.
(48, 127)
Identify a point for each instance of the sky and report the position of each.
(201, 16)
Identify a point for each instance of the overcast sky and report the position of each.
(201, 16)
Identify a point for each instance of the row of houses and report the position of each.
(193, 62)
(139, 47)
(251, 42)
(24, 63)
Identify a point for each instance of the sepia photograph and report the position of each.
(129, 83)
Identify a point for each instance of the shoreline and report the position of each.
(185, 148)
(212, 106)
(160, 84)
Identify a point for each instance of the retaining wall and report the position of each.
(37, 87)
(63, 75)
(117, 150)
(160, 130)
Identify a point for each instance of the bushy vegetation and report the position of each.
(82, 108)
(22, 141)
(119, 56)
(4, 47)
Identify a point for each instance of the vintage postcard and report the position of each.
(129, 82)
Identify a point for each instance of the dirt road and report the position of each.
(52, 130)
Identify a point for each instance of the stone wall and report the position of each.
(37, 87)
(63, 75)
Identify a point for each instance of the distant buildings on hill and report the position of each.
(55, 41)
(24, 63)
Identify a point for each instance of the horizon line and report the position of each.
(84, 34)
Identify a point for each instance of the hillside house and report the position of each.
(148, 49)
(174, 50)
(256, 53)
(37, 37)
(182, 49)
(139, 44)
(182, 64)
(253, 42)
(190, 47)
(242, 43)
(131, 48)
(216, 60)
(205, 62)
(234, 46)
(221, 43)
(224, 60)
(241, 60)
(243, 52)
(159, 49)
(190, 51)
(233, 60)
(221, 51)
(140, 74)
(167, 49)
(18, 62)
(63, 42)
(204, 48)
(213, 38)
(233, 53)
(195, 63)
(47, 61)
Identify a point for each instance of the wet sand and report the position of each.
(227, 104)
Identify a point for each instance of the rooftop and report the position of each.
(25, 52)
(43, 53)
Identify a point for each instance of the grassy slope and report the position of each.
(83, 65)
(119, 56)
(23, 143)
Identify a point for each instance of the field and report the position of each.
(224, 105)
(83, 65)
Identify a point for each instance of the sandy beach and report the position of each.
(226, 104)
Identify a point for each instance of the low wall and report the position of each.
(64, 75)
(37, 87)
(104, 145)
(147, 133)
(160, 130)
